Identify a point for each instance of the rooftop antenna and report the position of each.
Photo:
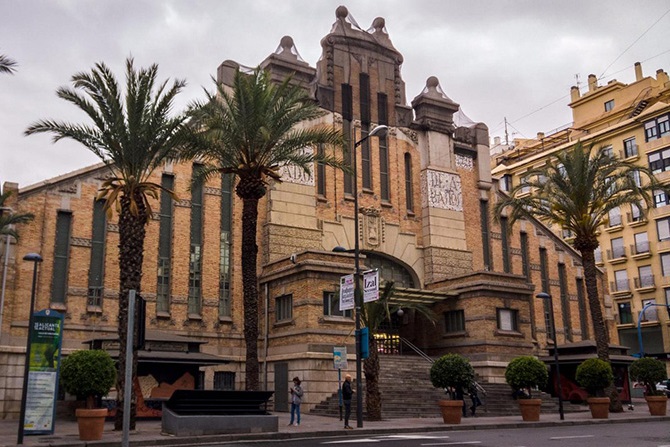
(506, 135)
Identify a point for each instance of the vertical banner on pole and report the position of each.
(347, 291)
(45, 337)
(370, 286)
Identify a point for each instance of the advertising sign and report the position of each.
(370, 285)
(340, 357)
(346, 292)
(46, 336)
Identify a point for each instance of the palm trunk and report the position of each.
(250, 290)
(132, 230)
(373, 400)
(600, 331)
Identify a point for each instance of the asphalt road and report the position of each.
(647, 434)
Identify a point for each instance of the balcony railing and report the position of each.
(640, 248)
(616, 253)
(635, 218)
(644, 281)
(620, 285)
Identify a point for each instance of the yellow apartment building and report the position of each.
(631, 121)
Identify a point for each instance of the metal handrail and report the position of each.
(415, 348)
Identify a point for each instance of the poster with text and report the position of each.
(45, 338)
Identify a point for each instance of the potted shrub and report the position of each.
(650, 371)
(525, 373)
(594, 375)
(89, 375)
(453, 373)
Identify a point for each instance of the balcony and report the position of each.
(640, 250)
(644, 283)
(616, 255)
(635, 220)
(620, 286)
(630, 153)
(614, 223)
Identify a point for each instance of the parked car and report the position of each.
(664, 385)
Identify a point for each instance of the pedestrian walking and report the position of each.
(347, 393)
(296, 400)
(474, 390)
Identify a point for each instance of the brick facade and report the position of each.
(437, 246)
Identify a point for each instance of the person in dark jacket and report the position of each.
(347, 393)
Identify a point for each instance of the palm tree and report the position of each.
(133, 135)
(7, 65)
(252, 132)
(576, 192)
(9, 219)
(375, 315)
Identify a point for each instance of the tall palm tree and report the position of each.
(8, 219)
(375, 315)
(7, 65)
(134, 135)
(576, 192)
(252, 132)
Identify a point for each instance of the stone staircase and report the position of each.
(407, 392)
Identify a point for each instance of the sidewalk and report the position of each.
(148, 433)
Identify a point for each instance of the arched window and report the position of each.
(390, 270)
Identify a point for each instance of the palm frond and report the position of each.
(7, 65)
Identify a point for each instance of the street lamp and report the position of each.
(32, 257)
(546, 296)
(377, 131)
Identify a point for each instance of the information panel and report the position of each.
(46, 337)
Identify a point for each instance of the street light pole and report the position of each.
(546, 296)
(377, 131)
(32, 257)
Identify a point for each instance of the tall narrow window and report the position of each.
(382, 114)
(409, 191)
(525, 255)
(164, 247)
(486, 236)
(565, 302)
(366, 167)
(583, 319)
(320, 173)
(347, 117)
(224, 253)
(544, 271)
(61, 257)
(96, 270)
(504, 236)
(364, 83)
(195, 256)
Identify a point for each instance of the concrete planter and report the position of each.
(530, 409)
(600, 407)
(658, 405)
(452, 411)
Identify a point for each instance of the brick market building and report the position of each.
(425, 205)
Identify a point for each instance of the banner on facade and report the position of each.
(370, 286)
(340, 357)
(45, 338)
(347, 290)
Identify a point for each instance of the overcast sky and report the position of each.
(497, 59)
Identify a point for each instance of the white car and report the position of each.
(663, 386)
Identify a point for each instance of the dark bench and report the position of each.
(218, 402)
(198, 412)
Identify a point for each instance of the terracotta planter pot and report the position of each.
(658, 405)
(452, 411)
(91, 423)
(600, 407)
(530, 409)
